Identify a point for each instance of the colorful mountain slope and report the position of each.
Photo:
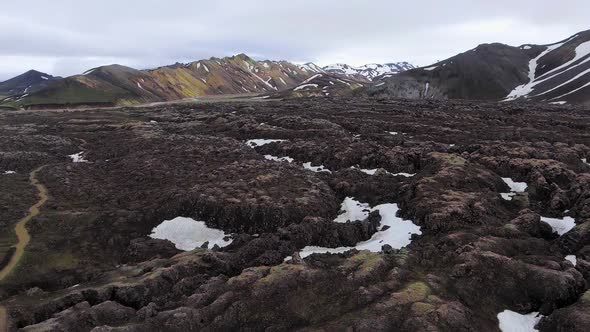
(120, 85)
(321, 85)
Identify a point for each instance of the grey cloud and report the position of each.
(64, 36)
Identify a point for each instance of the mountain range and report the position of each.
(555, 73)
(119, 85)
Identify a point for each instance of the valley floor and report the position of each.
(442, 216)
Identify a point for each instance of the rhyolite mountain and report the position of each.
(556, 73)
(119, 85)
(28, 82)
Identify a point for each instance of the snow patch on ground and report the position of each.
(9, 172)
(430, 68)
(572, 258)
(517, 187)
(188, 234)
(317, 169)
(253, 143)
(560, 226)
(511, 321)
(374, 171)
(585, 161)
(398, 235)
(78, 157)
(353, 210)
(558, 103)
(508, 196)
(273, 158)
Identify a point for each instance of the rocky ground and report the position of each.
(91, 264)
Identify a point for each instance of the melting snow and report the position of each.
(508, 196)
(317, 169)
(525, 89)
(311, 78)
(511, 321)
(572, 258)
(560, 226)
(304, 86)
(188, 234)
(517, 187)
(430, 68)
(273, 158)
(253, 143)
(398, 235)
(45, 78)
(585, 161)
(558, 103)
(374, 171)
(78, 158)
(408, 175)
(9, 172)
(353, 210)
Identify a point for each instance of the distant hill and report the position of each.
(554, 73)
(321, 85)
(28, 82)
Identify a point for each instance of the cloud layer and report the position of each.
(64, 37)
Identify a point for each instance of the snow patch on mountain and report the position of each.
(370, 71)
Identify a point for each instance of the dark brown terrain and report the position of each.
(91, 264)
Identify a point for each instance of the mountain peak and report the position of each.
(26, 82)
(369, 71)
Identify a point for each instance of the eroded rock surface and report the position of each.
(91, 265)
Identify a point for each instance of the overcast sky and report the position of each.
(66, 37)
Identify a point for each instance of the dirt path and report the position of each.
(3, 320)
(21, 231)
(23, 239)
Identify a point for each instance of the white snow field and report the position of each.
(78, 157)
(188, 234)
(253, 143)
(511, 321)
(560, 226)
(397, 235)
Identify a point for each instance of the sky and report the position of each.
(67, 37)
